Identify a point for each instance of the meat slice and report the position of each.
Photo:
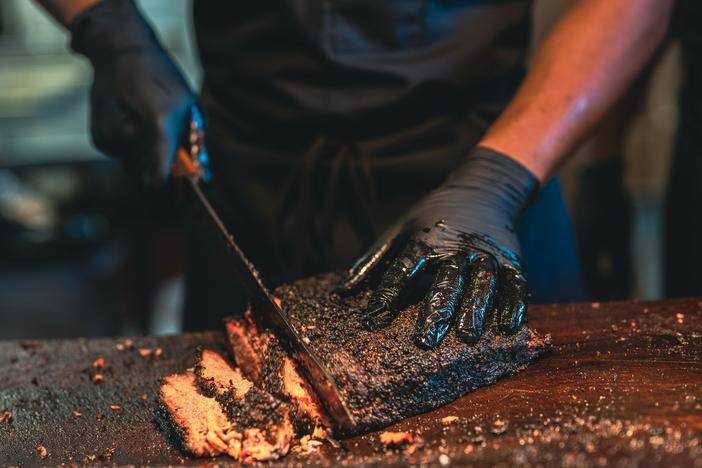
(263, 360)
(382, 376)
(215, 410)
(267, 419)
(217, 378)
(241, 341)
(200, 423)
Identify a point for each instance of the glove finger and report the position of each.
(476, 306)
(441, 302)
(511, 309)
(119, 131)
(367, 264)
(381, 308)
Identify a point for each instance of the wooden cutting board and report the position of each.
(623, 384)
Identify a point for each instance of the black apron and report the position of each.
(329, 118)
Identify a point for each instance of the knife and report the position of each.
(193, 164)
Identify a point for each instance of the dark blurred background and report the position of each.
(83, 254)
(79, 254)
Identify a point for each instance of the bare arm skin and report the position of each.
(585, 64)
(64, 11)
(589, 59)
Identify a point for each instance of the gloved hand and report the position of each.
(462, 232)
(139, 98)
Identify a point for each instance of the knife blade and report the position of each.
(263, 301)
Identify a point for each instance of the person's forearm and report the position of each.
(65, 11)
(588, 60)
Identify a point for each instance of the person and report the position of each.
(327, 120)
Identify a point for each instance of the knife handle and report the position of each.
(186, 166)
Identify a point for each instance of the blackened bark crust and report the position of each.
(174, 432)
(256, 409)
(268, 367)
(383, 376)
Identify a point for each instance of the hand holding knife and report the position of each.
(194, 165)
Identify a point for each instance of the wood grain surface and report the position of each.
(622, 386)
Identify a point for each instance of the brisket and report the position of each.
(199, 422)
(247, 407)
(382, 376)
(253, 412)
(217, 378)
(215, 410)
(262, 359)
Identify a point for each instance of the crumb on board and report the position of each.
(41, 450)
(98, 378)
(307, 445)
(126, 344)
(6, 417)
(499, 426)
(99, 362)
(395, 439)
(449, 420)
(107, 454)
(146, 352)
(320, 433)
(77, 414)
(115, 408)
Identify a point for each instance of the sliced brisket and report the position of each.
(262, 359)
(247, 407)
(240, 339)
(215, 411)
(200, 423)
(382, 376)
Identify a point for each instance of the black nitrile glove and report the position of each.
(463, 232)
(139, 98)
